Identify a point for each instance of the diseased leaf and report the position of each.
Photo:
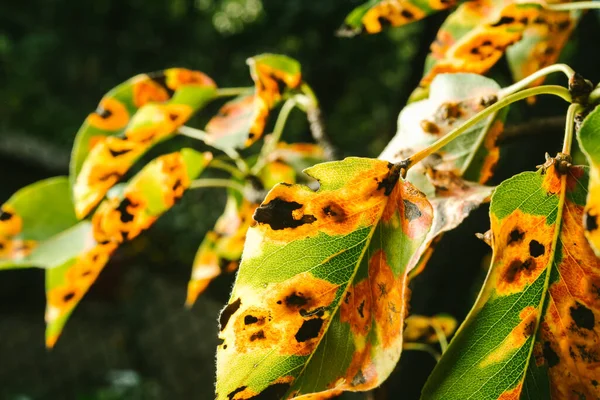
(453, 200)
(129, 120)
(221, 249)
(420, 328)
(148, 195)
(542, 42)
(453, 99)
(323, 280)
(589, 141)
(373, 15)
(475, 36)
(534, 328)
(298, 155)
(241, 121)
(33, 224)
(232, 125)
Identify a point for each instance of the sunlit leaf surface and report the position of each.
(323, 283)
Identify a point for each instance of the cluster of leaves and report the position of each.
(71, 226)
(321, 296)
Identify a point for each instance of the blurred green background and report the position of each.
(131, 338)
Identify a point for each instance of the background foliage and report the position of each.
(131, 336)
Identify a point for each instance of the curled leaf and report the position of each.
(129, 120)
(322, 275)
(534, 327)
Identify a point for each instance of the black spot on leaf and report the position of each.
(295, 300)
(536, 249)
(122, 209)
(228, 312)
(334, 212)
(319, 312)
(274, 392)
(589, 222)
(583, 316)
(257, 336)
(250, 319)
(359, 378)
(550, 355)
(504, 21)
(278, 214)
(516, 268)
(103, 113)
(117, 153)
(389, 182)
(5, 216)
(515, 236)
(68, 297)
(231, 395)
(411, 211)
(361, 309)
(309, 330)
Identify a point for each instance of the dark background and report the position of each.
(131, 337)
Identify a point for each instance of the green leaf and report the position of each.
(130, 119)
(32, 222)
(323, 280)
(589, 142)
(533, 329)
(121, 218)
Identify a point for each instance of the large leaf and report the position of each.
(242, 121)
(38, 225)
(533, 332)
(323, 281)
(589, 141)
(146, 197)
(130, 119)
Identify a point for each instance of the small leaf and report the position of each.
(298, 155)
(373, 15)
(129, 120)
(34, 215)
(588, 136)
(222, 248)
(231, 126)
(420, 328)
(323, 274)
(534, 329)
(146, 197)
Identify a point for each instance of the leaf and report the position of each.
(453, 200)
(373, 15)
(231, 127)
(532, 332)
(241, 121)
(130, 119)
(420, 328)
(453, 99)
(298, 155)
(541, 43)
(588, 137)
(31, 223)
(146, 197)
(475, 36)
(323, 279)
(222, 248)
